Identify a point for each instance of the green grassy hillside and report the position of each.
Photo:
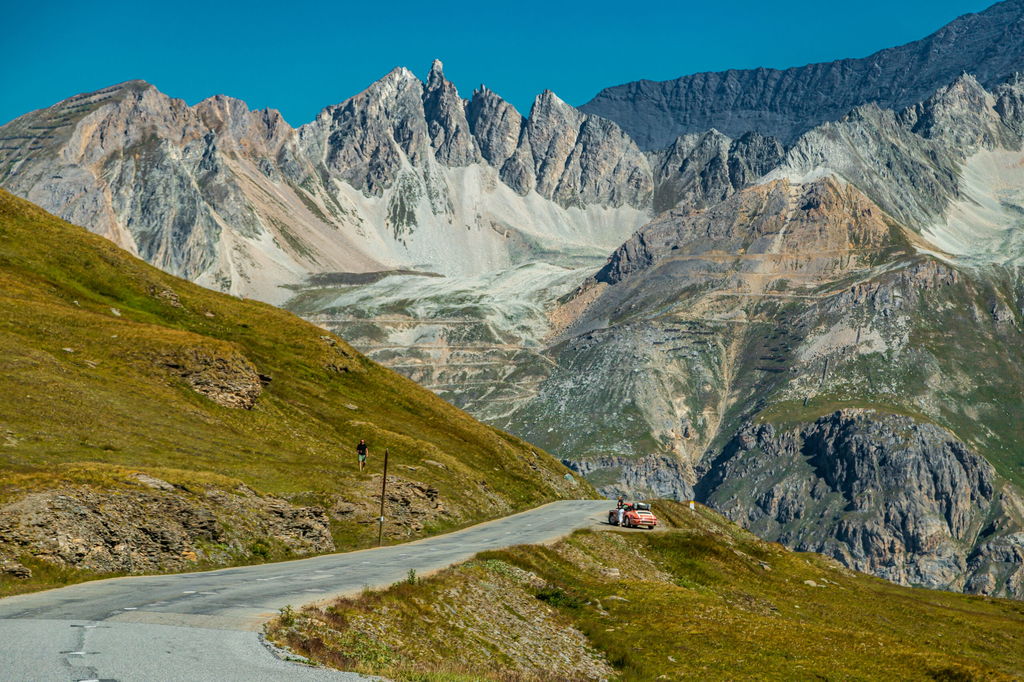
(704, 600)
(110, 368)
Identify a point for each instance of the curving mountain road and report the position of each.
(203, 626)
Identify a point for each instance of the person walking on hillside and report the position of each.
(361, 451)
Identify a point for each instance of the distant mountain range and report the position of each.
(787, 103)
(794, 295)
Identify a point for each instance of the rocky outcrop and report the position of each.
(227, 378)
(700, 170)
(963, 116)
(650, 477)
(881, 493)
(409, 506)
(578, 158)
(786, 103)
(157, 527)
(496, 125)
(773, 218)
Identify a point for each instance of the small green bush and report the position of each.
(558, 597)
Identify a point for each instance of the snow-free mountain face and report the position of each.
(787, 103)
(869, 266)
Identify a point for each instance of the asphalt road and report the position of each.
(204, 626)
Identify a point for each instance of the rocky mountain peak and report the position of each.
(445, 112)
(548, 104)
(495, 124)
(399, 74)
(700, 169)
(962, 114)
(436, 72)
(363, 139)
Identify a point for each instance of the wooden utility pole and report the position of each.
(383, 490)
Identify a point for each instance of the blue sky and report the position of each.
(299, 57)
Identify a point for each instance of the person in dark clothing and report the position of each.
(361, 450)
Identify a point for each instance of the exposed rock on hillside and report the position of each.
(228, 379)
(776, 221)
(881, 493)
(409, 506)
(699, 170)
(157, 527)
(653, 476)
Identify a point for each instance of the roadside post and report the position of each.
(383, 490)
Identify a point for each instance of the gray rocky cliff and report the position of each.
(365, 139)
(786, 103)
(881, 493)
(650, 477)
(912, 162)
(577, 158)
(449, 130)
(144, 169)
(962, 115)
(496, 125)
(700, 170)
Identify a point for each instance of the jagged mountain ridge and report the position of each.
(392, 178)
(787, 103)
(405, 175)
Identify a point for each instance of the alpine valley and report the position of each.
(796, 296)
